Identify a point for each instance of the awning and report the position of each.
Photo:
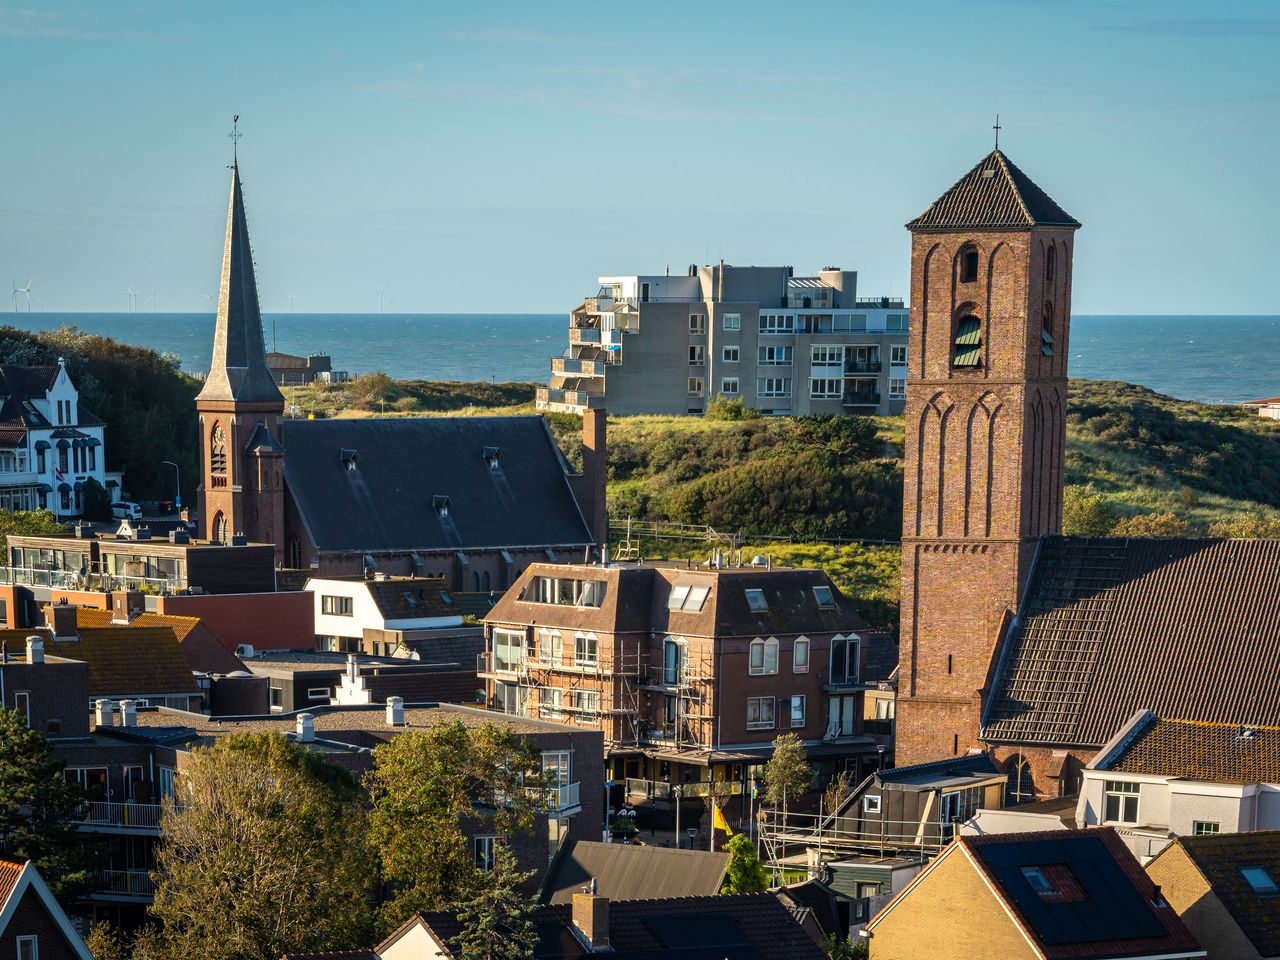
(44, 488)
(77, 443)
(93, 442)
(79, 485)
(64, 487)
(112, 483)
(42, 444)
(64, 444)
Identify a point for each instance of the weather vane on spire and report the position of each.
(996, 128)
(235, 136)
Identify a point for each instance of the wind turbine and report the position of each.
(389, 303)
(380, 289)
(40, 303)
(151, 300)
(209, 297)
(292, 297)
(26, 292)
(15, 295)
(132, 294)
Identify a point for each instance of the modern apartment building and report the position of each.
(780, 343)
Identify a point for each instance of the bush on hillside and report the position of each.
(1152, 525)
(1087, 513)
(730, 408)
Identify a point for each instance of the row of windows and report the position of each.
(820, 388)
(763, 658)
(761, 712)
(512, 647)
(822, 355)
(967, 350)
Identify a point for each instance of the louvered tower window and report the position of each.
(968, 342)
(1046, 331)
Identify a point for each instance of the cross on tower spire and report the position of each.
(996, 128)
(235, 136)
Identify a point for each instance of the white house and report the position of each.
(1159, 778)
(353, 614)
(50, 444)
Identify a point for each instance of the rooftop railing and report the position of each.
(74, 580)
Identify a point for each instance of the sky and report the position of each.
(498, 157)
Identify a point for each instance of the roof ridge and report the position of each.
(1005, 164)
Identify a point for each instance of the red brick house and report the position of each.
(32, 924)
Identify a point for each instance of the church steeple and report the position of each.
(239, 370)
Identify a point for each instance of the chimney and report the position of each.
(306, 727)
(104, 714)
(128, 713)
(591, 918)
(35, 649)
(395, 711)
(595, 473)
(125, 604)
(61, 619)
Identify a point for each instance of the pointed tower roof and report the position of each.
(239, 370)
(994, 195)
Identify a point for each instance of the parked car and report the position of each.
(126, 510)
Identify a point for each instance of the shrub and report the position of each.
(1152, 525)
(730, 408)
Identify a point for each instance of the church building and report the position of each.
(472, 499)
(1015, 639)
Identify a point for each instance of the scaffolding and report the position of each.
(686, 721)
(808, 841)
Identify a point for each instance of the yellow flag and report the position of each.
(718, 821)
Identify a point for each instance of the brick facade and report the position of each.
(241, 491)
(32, 918)
(983, 465)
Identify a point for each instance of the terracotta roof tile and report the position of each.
(994, 195)
(9, 874)
(123, 661)
(1197, 750)
(1220, 859)
(1183, 628)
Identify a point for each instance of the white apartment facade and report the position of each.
(350, 610)
(783, 344)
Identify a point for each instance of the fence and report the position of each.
(140, 816)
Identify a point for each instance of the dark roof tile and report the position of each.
(1196, 750)
(1220, 858)
(994, 195)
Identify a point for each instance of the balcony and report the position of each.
(862, 366)
(861, 399)
(74, 580)
(584, 335)
(568, 366)
(128, 886)
(563, 800)
(568, 401)
(102, 817)
(658, 790)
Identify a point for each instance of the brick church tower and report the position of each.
(241, 458)
(985, 437)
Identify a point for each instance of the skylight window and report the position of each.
(688, 598)
(1038, 881)
(679, 594)
(756, 601)
(824, 597)
(1260, 881)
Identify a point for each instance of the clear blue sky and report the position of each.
(497, 157)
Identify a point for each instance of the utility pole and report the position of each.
(675, 792)
(177, 482)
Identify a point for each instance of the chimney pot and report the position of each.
(104, 713)
(35, 649)
(306, 727)
(128, 713)
(591, 917)
(395, 711)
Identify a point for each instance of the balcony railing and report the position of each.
(584, 335)
(579, 368)
(141, 817)
(128, 884)
(867, 399)
(73, 580)
(564, 798)
(862, 366)
(569, 398)
(657, 790)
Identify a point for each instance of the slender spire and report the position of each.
(239, 370)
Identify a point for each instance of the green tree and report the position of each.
(843, 437)
(264, 852)
(787, 774)
(496, 921)
(1086, 512)
(1152, 525)
(425, 784)
(845, 948)
(39, 808)
(1246, 528)
(97, 502)
(730, 408)
(744, 873)
(30, 523)
(836, 791)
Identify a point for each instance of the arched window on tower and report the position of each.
(220, 527)
(968, 343)
(218, 456)
(1050, 263)
(1021, 787)
(1046, 331)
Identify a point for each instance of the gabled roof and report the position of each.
(123, 661)
(749, 926)
(625, 871)
(239, 370)
(263, 439)
(419, 598)
(1184, 628)
(19, 386)
(16, 881)
(371, 485)
(1100, 903)
(1219, 858)
(1197, 750)
(994, 195)
(204, 652)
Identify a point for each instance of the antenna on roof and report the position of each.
(996, 128)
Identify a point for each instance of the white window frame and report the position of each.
(550, 645)
(826, 388)
(511, 640)
(897, 388)
(561, 762)
(732, 321)
(551, 703)
(798, 700)
(697, 324)
(733, 349)
(33, 941)
(802, 643)
(1205, 828)
(22, 705)
(730, 387)
(777, 324)
(757, 705)
(697, 386)
(826, 355)
(697, 355)
(780, 355)
(483, 852)
(586, 650)
(758, 594)
(586, 701)
(763, 659)
(898, 355)
(336, 605)
(1111, 788)
(870, 804)
(318, 693)
(776, 388)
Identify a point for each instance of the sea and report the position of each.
(1210, 359)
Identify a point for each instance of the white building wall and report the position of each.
(364, 612)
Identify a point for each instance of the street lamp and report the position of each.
(177, 483)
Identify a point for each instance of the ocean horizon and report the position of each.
(1207, 358)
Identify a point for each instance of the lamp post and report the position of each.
(177, 483)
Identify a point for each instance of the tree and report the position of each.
(845, 948)
(28, 523)
(730, 408)
(424, 785)
(264, 852)
(835, 792)
(787, 774)
(1152, 525)
(39, 808)
(97, 502)
(1086, 512)
(744, 873)
(496, 922)
(1246, 528)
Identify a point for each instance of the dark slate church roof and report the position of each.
(239, 370)
(1184, 628)
(994, 195)
(431, 483)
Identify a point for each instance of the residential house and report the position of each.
(632, 871)
(380, 615)
(1051, 896)
(740, 926)
(1226, 889)
(205, 653)
(1160, 778)
(777, 342)
(50, 443)
(290, 370)
(300, 680)
(33, 926)
(1267, 408)
(690, 672)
